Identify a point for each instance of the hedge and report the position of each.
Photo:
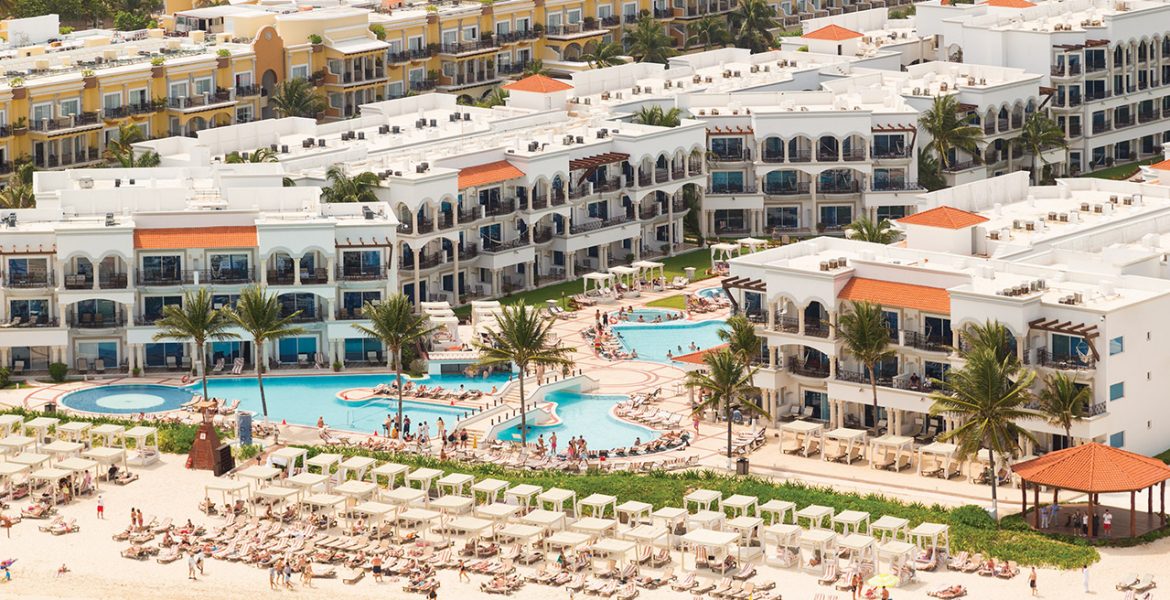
(173, 438)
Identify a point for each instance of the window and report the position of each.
(336, 101)
(152, 306)
(730, 219)
(300, 71)
(503, 27)
(415, 42)
(1069, 348)
(395, 89)
(70, 107)
(554, 20)
(604, 11)
(889, 146)
(891, 319)
(156, 269)
(107, 352)
(522, 24)
(291, 349)
(42, 112)
(1116, 345)
(889, 179)
(725, 147)
(29, 311)
(783, 217)
(598, 210)
(937, 330)
(781, 182)
(228, 266)
(361, 263)
(224, 300)
(112, 101)
(574, 16)
(724, 182)
(470, 34)
(335, 66)
(178, 89)
(890, 212)
(361, 349)
(1117, 440)
(354, 301)
(244, 113)
(203, 86)
(1117, 390)
(836, 216)
(159, 354)
(28, 270)
(450, 36)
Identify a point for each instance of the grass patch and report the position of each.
(678, 301)
(1121, 172)
(970, 530)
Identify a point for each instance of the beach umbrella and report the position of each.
(883, 580)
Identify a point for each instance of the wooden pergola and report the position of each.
(1088, 332)
(1094, 469)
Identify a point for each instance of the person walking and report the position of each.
(442, 430)
(376, 563)
(1107, 522)
(1032, 582)
(288, 575)
(1085, 577)
(463, 572)
(101, 507)
(855, 584)
(388, 424)
(199, 561)
(307, 574)
(191, 567)
(272, 576)
(552, 443)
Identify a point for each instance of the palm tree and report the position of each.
(523, 337)
(751, 25)
(535, 67)
(930, 172)
(19, 191)
(741, 339)
(344, 188)
(121, 150)
(991, 335)
(258, 314)
(987, 396)
(394, 323)
(1039, 134)
(649, 42)
(259, 155)
(1064, 401)
(948, 131)
(497, 97)
(196, 319)
(866, 335)
(866, 230)
(297, 98)
(708, 31)
(725, 382)
(605, 54)
(655, 115)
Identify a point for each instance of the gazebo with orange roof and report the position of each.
(1095, 469)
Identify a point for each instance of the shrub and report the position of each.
(157, 61)
(972, 516)
(379, 31)
(5, 377)
(244, 452)
(315, 39)
(173, 438)
(58, 371)
(128, 21)
(65, 30)
(223, 53)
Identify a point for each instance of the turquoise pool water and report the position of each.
(301, 399)
(712, 292)
(647, 314)
(127, 399)
(652, 341)
(584, 415)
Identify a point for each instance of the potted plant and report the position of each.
(317, 41)
(590, 24)
(157, 70)
(18, 90)
(135, 372)
(20, 126)
(336, 366)
(223, 58)
(89, 79)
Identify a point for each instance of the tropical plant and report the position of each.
(196, 319)
(948, 131)
(1039, 133)
(866, 336)
(752, 23)
(394, 323)
(741, 339)
(535, 67)
(930, 172)
(724, 383)
(259, 315)
(344, 188)
(497, 97)
(378, 30)
(1063, 401)
(287, 181)
(992, 335)
(987, 397)
(605, 54)
(866, 229)
(19, 191)
(223, 53)
(259, 155)
(656, 115)
(121, 149)
(522, 337)
(297, 98)
(648, 41)
(708, 31)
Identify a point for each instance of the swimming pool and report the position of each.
(652, 341)
(647, 315)
(584, 415)
(715, 293)
(127, 399)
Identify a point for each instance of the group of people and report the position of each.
(1078, 521)
(693, 347)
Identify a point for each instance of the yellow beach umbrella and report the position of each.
(883, 580)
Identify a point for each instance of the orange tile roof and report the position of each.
(832, 33)
(195, 237)
(945, 217)
(1161, 166)
(539, 84)
(488, 174)
(1010, 3)
(1094, 468)
(696, 358)
(903, 295)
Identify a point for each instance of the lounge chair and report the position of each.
(229, 409)
(685, 583)
(353, 577)
(99, 366)
(1144, 583)
(172, 363)
(302, 360)
(237, 366)
(218, 368)
(830, 575)
(1126, 582)
(18, 367)
(82, 366)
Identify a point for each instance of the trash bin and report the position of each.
(244, 427)
(741, 466)
(50, 407)
(690, 271)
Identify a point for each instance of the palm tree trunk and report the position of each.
(398, 379)
(727, 415)
(873, 387)
(994, 487)
(260, 377)
(523, 410)
(1035, 176)
(202, 366)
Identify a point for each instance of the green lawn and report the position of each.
(1164, 457)
(1120, 172)
(678, 301)
(674, 265)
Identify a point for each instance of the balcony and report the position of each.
(200, 102)
(612, 21)
(1046, 358)
(788, 189)
(468, 80)
(96, 321)
(1101, 126)
(468, 251)
(166, 279)
(128, 110)
(1066, 70)
(540, 236)
(425, 225)
(446, 220)
(280, 277)
(600, 224)
(1123, 121)
(919, 341)
(853, 156)
(817, 329)
(312, 316)
(408, 55)
(488, 45)
(839, 187)
(800, 156)
(113, 281)
(517, 36)
(81, 120)
(499, 209)
(799, 367)
(29, 280)
(79, 282)
(468, 215)
(422, 85)
(33, 321)
(572, 30)
(225, 276)
(896, 186)
(732, 156)
(772, 157)
(678, 206)
(362, 273)
(894, 154)
(787, 324)
(430, 261)
(247, 91)
(1149, 115)
(514, 68)
(492, 246)
(727, 190)
(349, 314)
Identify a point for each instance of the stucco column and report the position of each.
(59, 266)
(495, 282)
(529, 279)
(832, 324)
(603, 257)
(140, 352)
(800, 321)
(330, 268)
(771, 317)
(131, 357)
(329, 314)
(773, 356)
(263, 271)
(296, 270)
(833, 410)
(637, 247)
(455, 276)
(571, 264)
(5, 357)
(417, 279)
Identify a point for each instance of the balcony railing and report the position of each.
(517, 36)
(128, 110)
(500, 208)
(919, 341)
(800, 367)
(33, 321)
(1046, 358)
(244, 91)
(226, 276)
(467, 215)
(572, 29)
(492, 246)
(29, 280)
(59, 123)
(464, 47)
(468, 251)
(280, 277)
(732, 155)
(595, 225)
(787, 324)
(896, 186)
(304, 316)
(361, 273)
(1066, 70)
(162, 279)
(96, 321)
(209, 99)
(792, 189)
(113, 281)
(78, 282)
(817, 329)
(731, 189)
(540, 236)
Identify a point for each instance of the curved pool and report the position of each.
(647, 315)
(653, 341)
(586, 415)
(127, 399)
(714, 293)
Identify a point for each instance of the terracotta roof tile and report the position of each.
(195, 237)
(488, 174)
(902, 295)
(1094, 468)
(696, 358)
(1161, 166)
(538, 84)
(832, 33)
(946, 217)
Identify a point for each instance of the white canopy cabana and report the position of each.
(801, 437)
(497, 511)
(939, 459)
(458, 484)
(15, 444)
(752, 244)
(520, 534)
(391, 471)
(597, 504)
(898, 555)
(844, 445)
(276, 494)
(779, 510)
(565, 541)
(861, 548)
(617, 550)
(467, 527)
(647, 269)
(49, 477)
(893, 452)
(324, 463)
(633, 513)
(522, 494)
(60, 449)
(894, 527)
(375, 511)
(145, 442)
(32, 459)
(751, 542)
(545, 519)
(490, 490)
(784, 539)
(423, 478)
(109, 434)
(13, 424)
(713, 543)
(706, 519)
(73, 431)
(594, 526)
(557, 498)
(38, 428)
(404, 496)
(287, 458)
(624, 274)
(230, 491)
(9, 472)
(329, 503)
(670, 517)
(356, 490)
(259, 475)
(822, 547)
(359, 465)
(599, 281)
(648, 535)
(932, 535)
(452, 504)
(307, 482)
(852, 521)
(76, 465)
(416, 519)
(740, 505)
(817, 515)
(702, 499)
(723, 252)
